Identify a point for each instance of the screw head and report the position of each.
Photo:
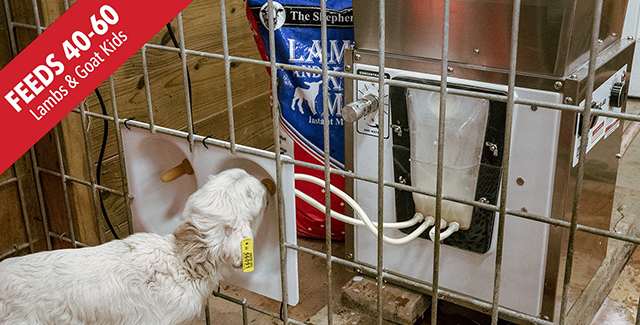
(619, 156)
(524, 209)
(600, 41)
(357, 57)
(534, 108)
(568, 100)
(520, 181)
(476, 51)
(557, 85)
(630, 37)
(573, 76)
(347, 67)
(450, 70)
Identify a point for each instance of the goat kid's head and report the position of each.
(227, 209)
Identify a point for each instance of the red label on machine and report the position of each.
(70, 59)
(601, 127)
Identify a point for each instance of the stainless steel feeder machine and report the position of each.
(553, 53)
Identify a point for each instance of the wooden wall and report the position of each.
(13, 226)
(202, 30)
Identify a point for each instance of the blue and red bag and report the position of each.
(297, 37)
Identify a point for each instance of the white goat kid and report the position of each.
(144, 278)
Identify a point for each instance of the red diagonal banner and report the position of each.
(68, 61)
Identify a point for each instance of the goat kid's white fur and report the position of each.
(144, 278)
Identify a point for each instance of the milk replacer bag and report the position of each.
(297, 38)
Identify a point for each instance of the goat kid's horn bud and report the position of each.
(270, 185)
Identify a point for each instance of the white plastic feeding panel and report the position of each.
(157, 206)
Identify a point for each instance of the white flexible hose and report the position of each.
(429, 221)
(418, 217)
(453, 227)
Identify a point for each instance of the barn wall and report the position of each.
(203, 32)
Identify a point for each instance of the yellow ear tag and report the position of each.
(247, 255)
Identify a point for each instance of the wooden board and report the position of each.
(203, 32)
(618, 254)
(10, 217)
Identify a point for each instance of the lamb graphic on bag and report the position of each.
(310, 94)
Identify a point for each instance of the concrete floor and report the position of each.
(619, 308)
(313, 291)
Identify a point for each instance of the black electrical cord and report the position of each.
(176, 45)
(105, 134)
(281, 310)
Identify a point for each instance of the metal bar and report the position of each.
(14, 250)
(461, 92)
(245, 319)
(247, 306)
(43, 210)
(517, 213)
(106, 117)
(286, 160)
(261, 153)
(92, 178)
(185, 80)
(64, 238)
(123, 167)
(227, 75)
(327, 156)
(80, 181)
(424, 287)
(147, 88)
(27, 26)
(407, 84)
(185, 135)
(381, 95)
(440, 159)
(508, 128)
(36, 14)
(45, 220)
(625, 116)
(275, 121)
(207, 313)
(586, 117)
(23, 206)
(63, 180)
(8, 181)
(12, 36)
(399, 83)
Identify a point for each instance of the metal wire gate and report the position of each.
(437, 293)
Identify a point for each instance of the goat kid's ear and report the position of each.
(233, 242)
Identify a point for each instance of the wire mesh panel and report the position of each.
(169, 97)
